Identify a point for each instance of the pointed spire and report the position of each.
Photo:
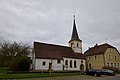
(74, 33)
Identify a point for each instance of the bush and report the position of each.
(3, 69)
(22, 64)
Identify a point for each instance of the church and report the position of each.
(60, 58)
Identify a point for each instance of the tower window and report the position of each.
(77, 44)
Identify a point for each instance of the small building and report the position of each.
(56, 57)
(104, 55)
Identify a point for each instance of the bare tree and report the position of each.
(11, 51)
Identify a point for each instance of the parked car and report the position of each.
(108, 72)
(93, 72)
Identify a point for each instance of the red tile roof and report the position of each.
(51, 51)
(98, 49)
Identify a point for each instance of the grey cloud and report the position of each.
(51, 21)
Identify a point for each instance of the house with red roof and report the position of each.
(104, 55)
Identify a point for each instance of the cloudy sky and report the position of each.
(51, 21)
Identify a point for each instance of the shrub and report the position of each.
(21, 64)
(24, 64)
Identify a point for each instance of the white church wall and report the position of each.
(55, 66)
(78, 63)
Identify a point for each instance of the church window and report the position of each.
(66, 63)
(75, 64)
(43, 63)
(70, 63)
(82, 61)
(58, 61)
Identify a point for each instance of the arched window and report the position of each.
(70, 63)
(81, 61)
(66, 63)
(75, 64)
(77, 44)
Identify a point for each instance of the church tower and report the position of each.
(75, 43)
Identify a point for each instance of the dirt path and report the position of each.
(78, 77)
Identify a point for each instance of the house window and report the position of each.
(74, 64)
(115, 65)
(70, 63)
(94, 57)
(111, 64)
(118, 65)
(58, 61)
(108, 64)
(109, 57)
(66, 63)
(43, 63)
(115, 57)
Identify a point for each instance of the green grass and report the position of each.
(3, 69)
(34, 75)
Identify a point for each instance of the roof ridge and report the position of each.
(51, 44)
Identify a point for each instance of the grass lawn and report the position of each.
(3, 69)
(34, 75)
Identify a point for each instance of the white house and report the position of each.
(56, 57)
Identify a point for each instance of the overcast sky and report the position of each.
(51, 21)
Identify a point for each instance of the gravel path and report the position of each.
(78, 77)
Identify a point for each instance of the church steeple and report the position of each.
(75, 43)
(74, 33)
